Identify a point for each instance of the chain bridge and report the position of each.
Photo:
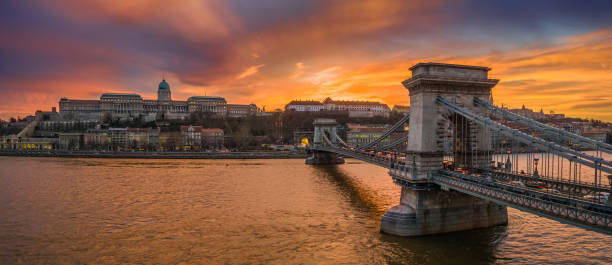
(464, 164)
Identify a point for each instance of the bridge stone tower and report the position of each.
(327, 128)
(424, 208)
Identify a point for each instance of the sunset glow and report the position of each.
(548, 54)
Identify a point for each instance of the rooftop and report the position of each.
(164, 85)
(130, 95)
(450, 66)
(304, 102)
(212, 130)
(205, 98)
(351, 102)
(188, 128)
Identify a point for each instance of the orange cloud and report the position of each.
(250, 71)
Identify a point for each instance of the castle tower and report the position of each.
(163, 91)
(164, 99)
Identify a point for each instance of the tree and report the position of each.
(243, 137)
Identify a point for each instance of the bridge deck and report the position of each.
(589, 215)
(561, 207)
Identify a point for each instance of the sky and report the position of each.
(555, 55)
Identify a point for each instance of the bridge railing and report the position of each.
(585, 214)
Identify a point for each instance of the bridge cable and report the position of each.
(528, 139)
(550, 130)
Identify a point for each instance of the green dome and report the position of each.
(164, 85)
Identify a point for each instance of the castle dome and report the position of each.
(164, 85)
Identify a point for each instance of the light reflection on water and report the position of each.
(112, 211)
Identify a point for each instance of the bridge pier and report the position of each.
(426, 212)
(324, 158)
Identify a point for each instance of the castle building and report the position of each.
(134, 104)
(354, 108)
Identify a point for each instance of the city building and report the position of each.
(170, 141)
(401, 109)
(357, 108)
(601, 136)
(304, 105)
(538, 115)
(142, 139)
(70, 141)
(28, 144)
(358, 135)
(96, 139)
(118, 138)
(240, 110)
(212, 138)
(191, 138)
(353, 108)
(125, 104)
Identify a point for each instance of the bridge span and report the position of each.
(462, 166)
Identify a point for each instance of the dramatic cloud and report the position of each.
(250, 71)
(553, 55)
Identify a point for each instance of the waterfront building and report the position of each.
(170, 141)
(126, 104)
(191, 138)
(32, 144)
(96, 139)
(118, 138)
(5, 142)
(70, 141)
(142, 139)
(212, 138)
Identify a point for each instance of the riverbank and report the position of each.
(161, 155)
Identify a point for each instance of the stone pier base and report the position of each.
(434, 212)
(324, 158)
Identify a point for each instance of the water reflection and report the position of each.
(477, 246)
(356, 193)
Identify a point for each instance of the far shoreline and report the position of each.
(160, 155)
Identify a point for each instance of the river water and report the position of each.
(130, 211)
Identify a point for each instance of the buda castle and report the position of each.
(125, 104)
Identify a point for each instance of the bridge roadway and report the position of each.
(563, 185)
(589, 215)
(564, 208)
(402, 169)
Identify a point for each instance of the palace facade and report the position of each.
(354, 108)
(134, 104)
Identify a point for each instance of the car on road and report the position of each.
(553, 191)
(518, 183)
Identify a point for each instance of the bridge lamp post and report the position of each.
(508, 162)
(535, 171)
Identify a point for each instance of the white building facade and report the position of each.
(134, 104)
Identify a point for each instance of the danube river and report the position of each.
(130, 211)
